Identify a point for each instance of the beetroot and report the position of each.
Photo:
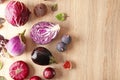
(44, 32)
(17, 13)
(19, 70)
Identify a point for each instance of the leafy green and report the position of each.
(61, 16)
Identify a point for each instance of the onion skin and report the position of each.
(16, 46)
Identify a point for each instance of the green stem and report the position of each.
(22, 34)
(52, 60)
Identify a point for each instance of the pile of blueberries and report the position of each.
(61, 46)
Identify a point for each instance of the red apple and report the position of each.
(19, 70)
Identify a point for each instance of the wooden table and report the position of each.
(95, 49)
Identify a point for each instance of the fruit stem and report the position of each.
(22, 36)
(23, 32)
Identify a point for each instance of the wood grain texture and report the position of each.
(95, 49)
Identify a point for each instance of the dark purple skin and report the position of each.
(66, 39)
(61, 46)
(41, 56)
(16, 13)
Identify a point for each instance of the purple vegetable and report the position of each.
(16, 45)
(44, 32)
(61, 46)
(17, 13)
(42, 56)
(66, 39)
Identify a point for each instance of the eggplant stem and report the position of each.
(52, 60)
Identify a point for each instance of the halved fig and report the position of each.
(67, 65)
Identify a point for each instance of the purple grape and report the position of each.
(66, 39)
(61, 47)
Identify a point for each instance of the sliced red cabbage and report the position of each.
(44, 32)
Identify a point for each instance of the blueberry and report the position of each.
(61, 46)
(66, 39)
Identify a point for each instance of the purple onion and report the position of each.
(44, 32)
(16, 45)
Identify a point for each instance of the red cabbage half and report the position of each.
(44, 32)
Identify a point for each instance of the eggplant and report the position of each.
(42, 56)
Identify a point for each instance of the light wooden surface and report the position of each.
(95, 49)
